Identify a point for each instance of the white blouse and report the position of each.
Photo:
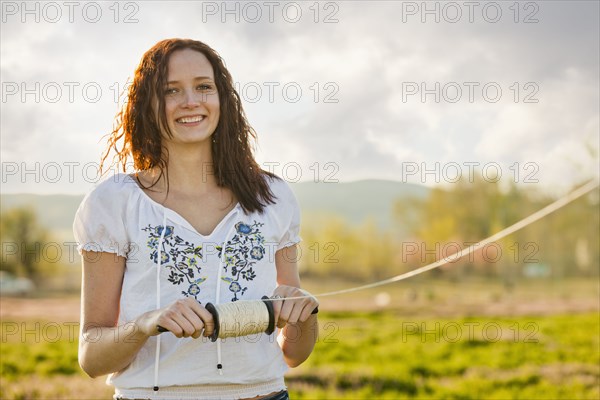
(234, 262)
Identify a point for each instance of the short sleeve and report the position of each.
(291, 210)
(99, 223)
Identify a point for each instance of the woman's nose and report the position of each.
(192, 98)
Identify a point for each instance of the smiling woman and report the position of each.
(198, 222)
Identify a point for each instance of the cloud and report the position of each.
(363, 61)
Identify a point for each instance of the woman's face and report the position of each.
(191, 98)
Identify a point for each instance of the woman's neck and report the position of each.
(189, 168)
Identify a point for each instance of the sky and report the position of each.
(338, 91)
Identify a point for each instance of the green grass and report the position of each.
(382, 355)
(42, 359)
(388, 355)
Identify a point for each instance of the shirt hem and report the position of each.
(203, 392)
(99, 248)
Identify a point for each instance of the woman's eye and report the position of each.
(170, 90)
(205, 87)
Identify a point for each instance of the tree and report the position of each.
(23, 240)
(566, 240)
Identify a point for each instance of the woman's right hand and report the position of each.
(183, 318)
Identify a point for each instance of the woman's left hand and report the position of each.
(295, 310)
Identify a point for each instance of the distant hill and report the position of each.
(353, 201)
(356, 201)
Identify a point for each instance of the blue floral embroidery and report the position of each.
(257, 252)
(178, 255)
(243, 228)
(194, 289)
(241, 253)
(235, 287)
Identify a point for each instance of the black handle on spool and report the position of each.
(271, 310)
(213, 311)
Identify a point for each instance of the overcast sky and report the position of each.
(340, 90)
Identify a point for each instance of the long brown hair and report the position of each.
(233, 162)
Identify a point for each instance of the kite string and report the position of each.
(470, 249)
(256, 316)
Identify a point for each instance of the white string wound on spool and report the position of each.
(242, 318)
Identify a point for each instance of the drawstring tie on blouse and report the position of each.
(158, 268)
(218, 294)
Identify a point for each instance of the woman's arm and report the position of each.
(300, 327)
(104, 346)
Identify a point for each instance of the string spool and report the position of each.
(241, 318)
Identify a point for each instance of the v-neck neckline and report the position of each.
(176, 217)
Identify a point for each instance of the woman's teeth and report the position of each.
(187, 120)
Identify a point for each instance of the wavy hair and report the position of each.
(139, 129)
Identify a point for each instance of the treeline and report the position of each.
(563, 244)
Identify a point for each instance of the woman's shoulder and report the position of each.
(278, 185)
(282, 191)
(100, 218)
(112, 188)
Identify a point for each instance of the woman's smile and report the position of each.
(193, 120)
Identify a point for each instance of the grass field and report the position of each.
(389, 353)
(384, 355)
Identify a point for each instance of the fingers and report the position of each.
(294, 310)
(277, 304)
(186, 318)
(286, 310)
(207, 319)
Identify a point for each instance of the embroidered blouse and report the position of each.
(167, 259)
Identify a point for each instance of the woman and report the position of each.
(198, 222)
